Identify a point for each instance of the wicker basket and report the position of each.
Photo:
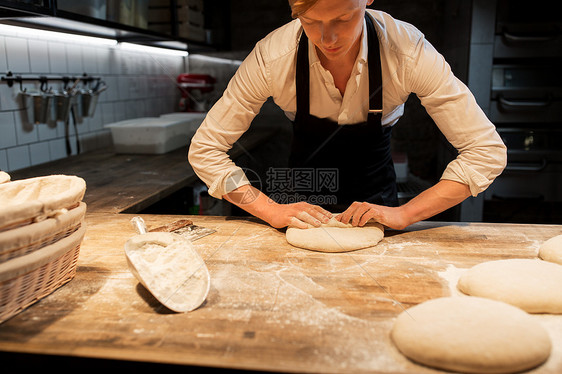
(26, 239)
(26, 279)
(32, 200)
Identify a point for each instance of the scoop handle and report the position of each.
(138, 224)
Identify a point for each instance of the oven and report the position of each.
(526, 107)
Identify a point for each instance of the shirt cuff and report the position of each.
(460, 172)
(228, 182)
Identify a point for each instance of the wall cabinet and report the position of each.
(195, 25)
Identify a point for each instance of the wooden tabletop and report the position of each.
(271, 306)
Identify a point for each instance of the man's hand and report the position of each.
(301, 215)
(436, 199)
(358, 214)
(255, 202)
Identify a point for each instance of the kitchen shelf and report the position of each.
(47, 17)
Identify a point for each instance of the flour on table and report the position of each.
(451, 275)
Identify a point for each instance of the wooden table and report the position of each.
(271, 306)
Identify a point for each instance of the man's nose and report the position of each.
(329, 35)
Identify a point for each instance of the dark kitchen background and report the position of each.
(507, 52)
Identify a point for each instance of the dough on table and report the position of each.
(472, 335)
(530, 284)
(168, 266)
(551, 250)
(4, 177)
(335, 236)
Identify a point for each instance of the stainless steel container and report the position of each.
(40, 103)
(63, 102)
(90, 100)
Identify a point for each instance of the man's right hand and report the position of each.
(300, 215)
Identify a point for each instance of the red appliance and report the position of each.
(197, 92)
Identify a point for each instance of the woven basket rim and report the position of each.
(25, 264)
(34, 233)
(36, 209)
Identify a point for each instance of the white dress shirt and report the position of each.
(410, 64)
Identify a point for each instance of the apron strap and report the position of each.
(375, 72)
(303, 78)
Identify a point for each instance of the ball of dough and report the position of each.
(551, 250)
(530, 284)
(4, 177)
(335, 236)
(471, 334)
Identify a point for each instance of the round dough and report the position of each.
(471, 334)
(168, 266)
(335, 236)
(551, 250)
(4, 177)
(530, 284)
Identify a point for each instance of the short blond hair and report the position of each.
(298, 7)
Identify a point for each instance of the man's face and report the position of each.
(334, 26)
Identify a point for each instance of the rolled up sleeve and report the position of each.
(225, 123)
(482, 155)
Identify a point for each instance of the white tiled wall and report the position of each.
(139, 84)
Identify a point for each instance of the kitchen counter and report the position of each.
(129, 183)
(271, 306)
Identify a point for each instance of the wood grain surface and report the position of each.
(271, 306)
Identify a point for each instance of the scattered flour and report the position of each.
(300, 302)
(451, 275)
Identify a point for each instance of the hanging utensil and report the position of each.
(90, 99)
(37, 103)
(40, 107)
(77, 107)
(63, 102)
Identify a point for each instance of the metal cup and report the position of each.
(41, 106)
(63, 102)
(90, 100)
(77, 107)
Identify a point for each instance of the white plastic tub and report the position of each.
(155, 135)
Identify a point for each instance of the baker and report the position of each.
(342, 73)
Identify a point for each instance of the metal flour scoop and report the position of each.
(168, 266)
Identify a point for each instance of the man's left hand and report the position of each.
(359, 213)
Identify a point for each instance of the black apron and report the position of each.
(357, 155)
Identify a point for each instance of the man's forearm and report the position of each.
(252, 201)
(255, 202)
(436, 199)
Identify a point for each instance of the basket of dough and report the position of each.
(41, 230)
